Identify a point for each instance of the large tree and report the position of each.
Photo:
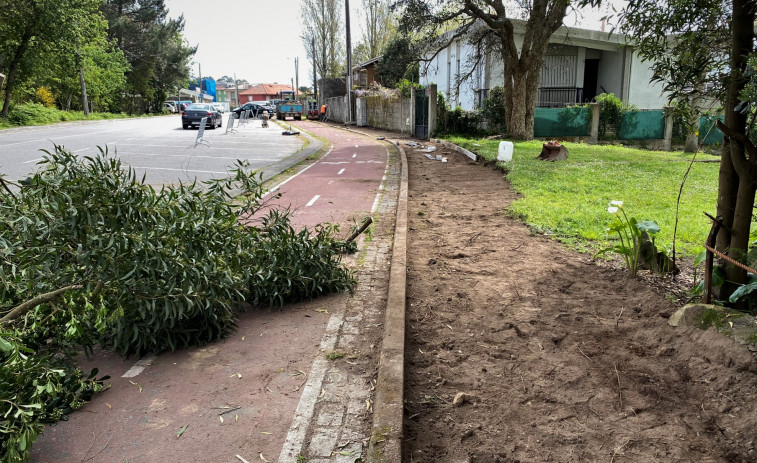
(379, 25)
(31, 28)
(323, 35)
(152, 44)
(492, 23)
(717, 37)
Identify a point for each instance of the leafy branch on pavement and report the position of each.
(91, 255)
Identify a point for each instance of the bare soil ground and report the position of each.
(521, 350)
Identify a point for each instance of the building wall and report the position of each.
(642, 93)
(610, 75)
(395, 115)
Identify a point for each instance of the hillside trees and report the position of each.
(153, 46)
(713, 52)
(40, 42)
(522, 65)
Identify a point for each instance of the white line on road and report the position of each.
(193, 156)
(276, 188)
(56, 138)
(354, 155)
(138, 367)
(312, 201)
(340, 172)
(33, 160)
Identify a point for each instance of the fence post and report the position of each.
(667, 144)
(594, 132)
(411, 126)
(432, 101)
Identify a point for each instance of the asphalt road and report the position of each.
(157, 147)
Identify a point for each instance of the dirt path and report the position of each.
(557, 359)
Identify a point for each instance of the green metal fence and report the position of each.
(643, 125)
(561, 122)
(709, 134)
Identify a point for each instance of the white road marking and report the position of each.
(312, 201)
(340, 172)
(354, 155)
(33, 160)
(376, 201)
(276, 188)
(192, 156)
(138, 367)
(330, 182)
(57, 138)
(298, 430)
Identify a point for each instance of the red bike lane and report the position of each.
(236, 397)
(342, 186)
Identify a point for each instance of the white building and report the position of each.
(579, 65)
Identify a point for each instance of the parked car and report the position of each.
(170, 107)
(269, 106)
(253, 106)
(221, 108)
(194, 113)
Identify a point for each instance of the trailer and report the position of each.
(293, 109)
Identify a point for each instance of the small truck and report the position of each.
(293, 109)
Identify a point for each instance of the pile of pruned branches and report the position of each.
(91, 255)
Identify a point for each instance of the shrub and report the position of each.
(456, 121)
(45, 97)
(32, 114)
(494, 109)
(610, 113)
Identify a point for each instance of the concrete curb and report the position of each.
(387, 430)
(388, 408)
(459, 149)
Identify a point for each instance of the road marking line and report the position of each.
(83, 149)
(312, 201)
(138, 367)
(33, 160)
(330, 182)
(50, 140)
(354, 155)
(193, 156)
(276, 188)
(340, 172)
(295, 439)
(382, 187)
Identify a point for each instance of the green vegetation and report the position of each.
(90, 255)
(37, 114)
(569, 199)
(334, 355)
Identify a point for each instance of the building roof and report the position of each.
(266, 89)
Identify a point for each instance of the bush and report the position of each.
(32, 114)
(45, 97)
(456, 121)
(494, 109)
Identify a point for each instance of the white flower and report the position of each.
(616, 203)
(612, 209)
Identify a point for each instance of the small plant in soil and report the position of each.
(629, 231)
(334, 355)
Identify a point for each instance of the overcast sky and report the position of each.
(259, 39)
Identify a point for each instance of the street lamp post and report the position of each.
(349, 61)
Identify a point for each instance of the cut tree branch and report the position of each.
(34, 302)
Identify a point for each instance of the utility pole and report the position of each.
(296, 76)
(315, 76)
(199, 79)
(236, 84)
(294, 97)
(349, 61)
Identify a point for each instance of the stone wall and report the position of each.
(395, 115)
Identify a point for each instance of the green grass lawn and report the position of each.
(569, 199)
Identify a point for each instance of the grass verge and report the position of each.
(569, 199)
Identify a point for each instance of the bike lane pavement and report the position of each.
(235, 399)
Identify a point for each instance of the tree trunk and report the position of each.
(12, 70)
(516, 123)
(692, 143)
(736, 189)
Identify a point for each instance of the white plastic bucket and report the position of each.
(505, 152)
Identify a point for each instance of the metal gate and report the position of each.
(421, 114)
